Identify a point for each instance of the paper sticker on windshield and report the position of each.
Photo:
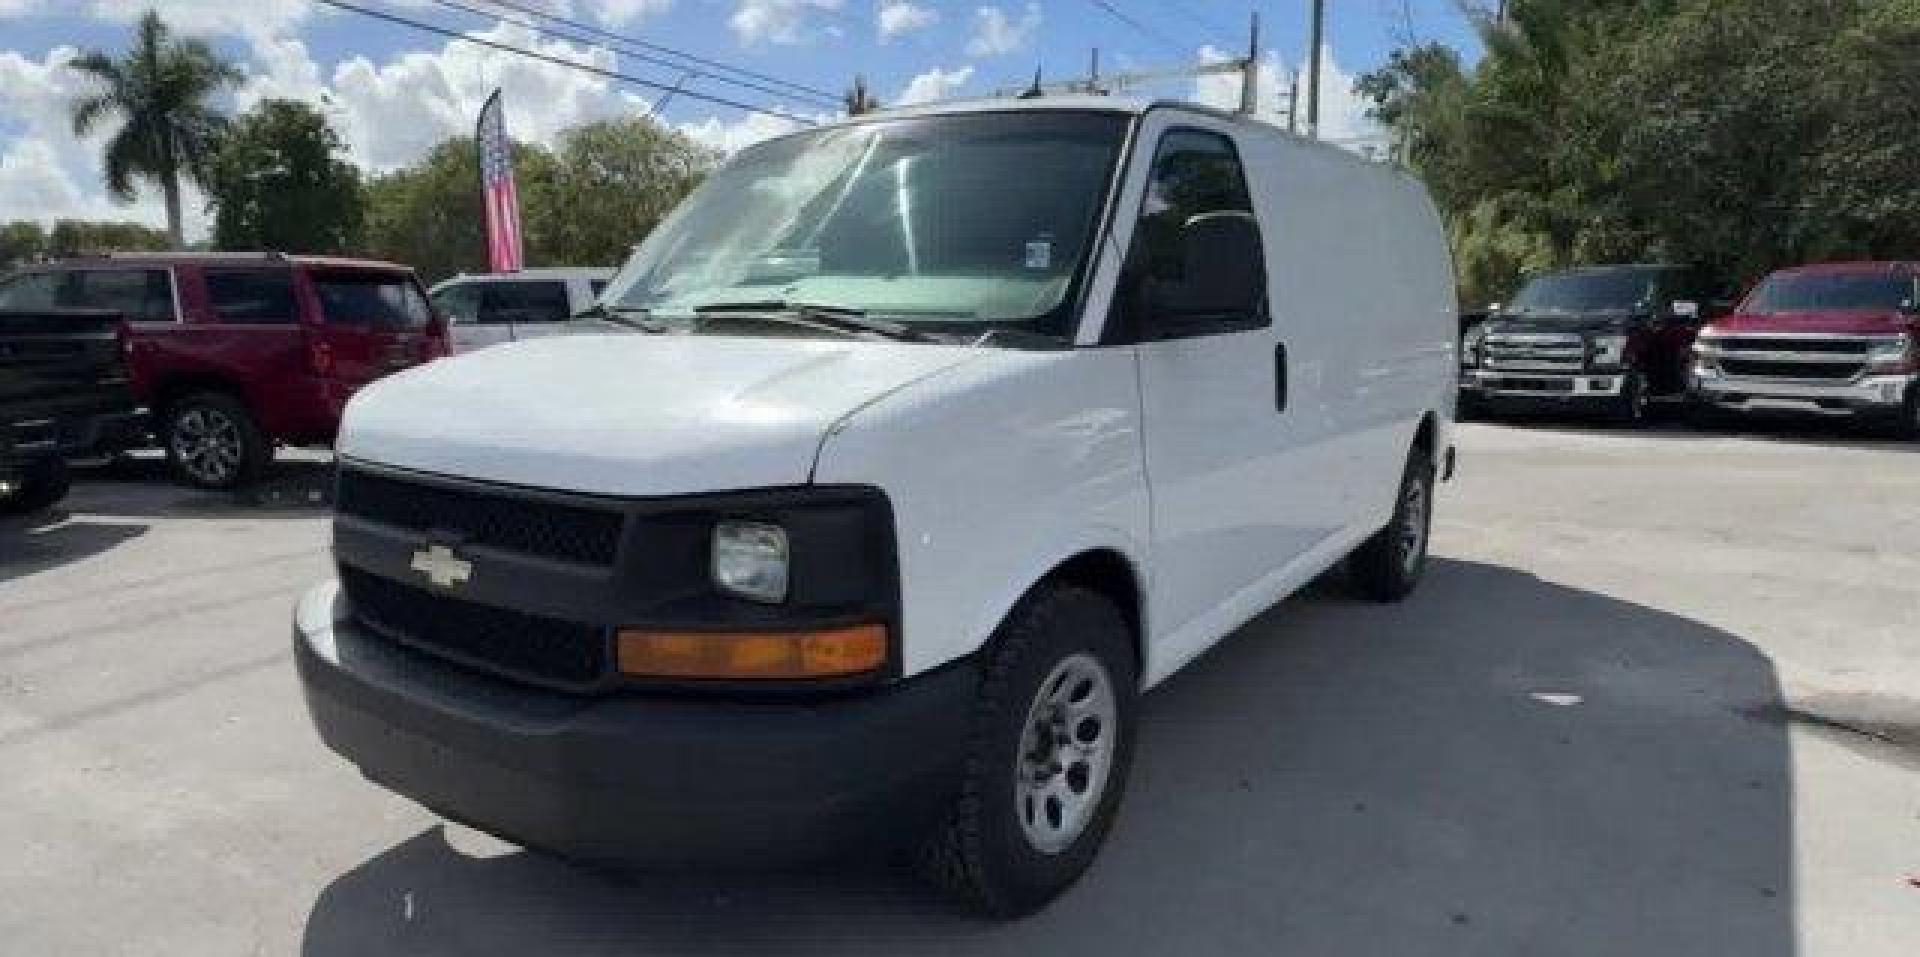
(1039, 254)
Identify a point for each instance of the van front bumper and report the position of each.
(635, 780)
(1866, 395)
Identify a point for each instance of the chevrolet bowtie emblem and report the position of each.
(441, 566)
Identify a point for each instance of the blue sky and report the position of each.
(393, 91)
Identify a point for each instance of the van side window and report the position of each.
(253, 296)
(138, 294)
(1195, 266)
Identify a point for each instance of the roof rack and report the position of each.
(1248, 68)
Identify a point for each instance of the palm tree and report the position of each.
(158, 91)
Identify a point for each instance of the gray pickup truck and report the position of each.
(63, 393)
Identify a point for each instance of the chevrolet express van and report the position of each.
(898, 463)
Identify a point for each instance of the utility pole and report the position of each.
(1293, 100)
(1250, 74)
(1313, 70)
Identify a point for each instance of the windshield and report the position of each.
(967, 222)
(1585, 291)
(1820, 292)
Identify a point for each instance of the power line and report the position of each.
(1141, 28)
(1204, 20)
(557, 61)
(645, 58)
(661, 49)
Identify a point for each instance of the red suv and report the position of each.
(235, 353)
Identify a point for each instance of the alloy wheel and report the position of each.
(207, 444)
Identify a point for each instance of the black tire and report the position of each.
(981, 851)
(212, 441)
(1909, 425)
(43, 485)
(1633, 407)
(1387, 566)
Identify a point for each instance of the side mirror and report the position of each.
(1222, 273)
(1685, 309)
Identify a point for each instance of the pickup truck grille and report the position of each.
(1544, 352)
(1806, 358)
(562, 654)
(500, 519)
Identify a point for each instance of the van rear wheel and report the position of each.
(212, 441)
(1048, 752)
(1387, 566)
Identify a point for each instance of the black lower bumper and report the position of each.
(639, 781)
(70, 436)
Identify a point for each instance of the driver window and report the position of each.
(1196, 196)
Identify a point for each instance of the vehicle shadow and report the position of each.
(142, 485)
(1781, 428)
(49, 539)
(1500, 765)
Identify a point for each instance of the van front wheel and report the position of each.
(1050, 743)
(1387, 566)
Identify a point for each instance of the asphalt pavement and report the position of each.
(1659, 695)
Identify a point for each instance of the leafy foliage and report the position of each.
(605, 189)
(158, 92)
(1738, 134)
(280, 182)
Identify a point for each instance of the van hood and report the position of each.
(631, 414)
(1839, 322)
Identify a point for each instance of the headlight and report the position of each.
(1892, 351)
(750, 560)
(1609, 350)
(1470, 346)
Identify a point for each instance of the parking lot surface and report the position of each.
(1660, 694)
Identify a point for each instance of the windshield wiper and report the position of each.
(841, 319)
(632, 318)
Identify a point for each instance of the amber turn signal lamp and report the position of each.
(752, 656)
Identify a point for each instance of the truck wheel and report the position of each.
(1633, 402)
(212, 441)
(43, 485)
(1051, 741)
(1387, 566)
(1909, 425)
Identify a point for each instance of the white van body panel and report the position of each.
(1002, 463)
(998, 470)
(630, 414)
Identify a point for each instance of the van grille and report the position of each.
(572, 533)
(549, 651)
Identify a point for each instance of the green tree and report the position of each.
(158, 92)
(614, 181)
(22, 241)
(280, 181)
(75, 237)
(429, 215)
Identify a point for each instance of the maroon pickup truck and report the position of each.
(234, 354)
(1837, 339)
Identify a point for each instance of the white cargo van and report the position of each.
(492, 308)
(913, 449)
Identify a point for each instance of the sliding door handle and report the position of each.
(1280, 377)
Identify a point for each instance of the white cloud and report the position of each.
(251, 18)
(46, 172)
(620, 13)
(895, 18)
(1343, 114)
(390, 113)
(748, 129)
(777, 21)
(935, 84)
(995, 32)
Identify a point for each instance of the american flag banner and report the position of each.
(502, 198)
